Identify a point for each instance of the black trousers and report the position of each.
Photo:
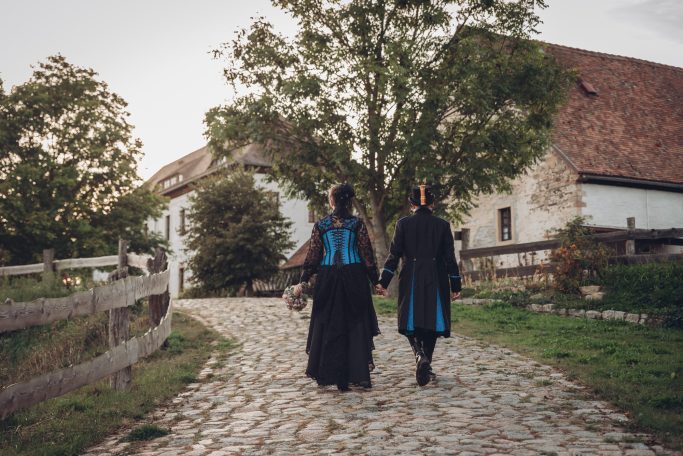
(425, 341)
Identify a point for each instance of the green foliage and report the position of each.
(655, 288)
(580, 260)
(147, 432)
(95, 411)
(517, 298)
(385, 94)
(68, 167)
(29, 288)
(238, 233)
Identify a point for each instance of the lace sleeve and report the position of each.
(366, 252)
(314, 255)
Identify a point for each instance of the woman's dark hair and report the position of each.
(342, 196)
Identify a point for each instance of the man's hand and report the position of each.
(455, 295)
(380, 290)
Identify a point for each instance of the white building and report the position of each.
(174, 182)
(617, 152)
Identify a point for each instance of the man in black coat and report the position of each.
(429, 278)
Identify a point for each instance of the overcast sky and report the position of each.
(155, 53)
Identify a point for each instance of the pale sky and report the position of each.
(155, 53)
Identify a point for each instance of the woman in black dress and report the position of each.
(343, 320)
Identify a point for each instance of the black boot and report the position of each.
(422, 368)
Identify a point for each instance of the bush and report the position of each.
(655, 288)
(580, 260)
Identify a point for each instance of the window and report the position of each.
(505, 223)
(311, 214)
(171, 181)
(181, 278)
(168, 227)
(182, 222)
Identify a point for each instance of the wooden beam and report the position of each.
(24, 269)
(509, 249)
(94, 262)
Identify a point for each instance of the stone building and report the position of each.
(617, 152)
(175, 180)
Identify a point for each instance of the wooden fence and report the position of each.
(629, 237)
(115, 297)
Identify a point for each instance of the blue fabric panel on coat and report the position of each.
(440, 323)
(410, 326)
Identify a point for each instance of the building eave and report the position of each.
(618, 181)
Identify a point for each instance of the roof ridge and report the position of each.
(611, 56)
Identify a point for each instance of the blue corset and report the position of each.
(340, 247)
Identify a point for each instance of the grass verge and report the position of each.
(637, 368)
(68, 424)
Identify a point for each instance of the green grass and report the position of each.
(637, 368)
(68, 424)
(29, 288)
(147, 432)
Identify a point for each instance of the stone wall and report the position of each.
(542, 199)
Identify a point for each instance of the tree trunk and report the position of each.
(382, 244)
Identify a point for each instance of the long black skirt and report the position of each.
(343, 324)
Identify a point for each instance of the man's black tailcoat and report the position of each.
(425, 243)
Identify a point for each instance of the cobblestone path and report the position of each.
(487, 400)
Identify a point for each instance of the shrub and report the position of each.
(580, 260)
(655, 288)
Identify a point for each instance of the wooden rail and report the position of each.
(138, 261)
(115, 298)
(629, 237)
(615, 236)
(122, 293)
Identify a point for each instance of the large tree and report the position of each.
(238, 233)
(388, 93)
(68, 162)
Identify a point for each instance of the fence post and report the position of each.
(158, 304)
(119, 330)
(48, 264)
(631, 243)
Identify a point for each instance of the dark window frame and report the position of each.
(182, 222)
(505, 224)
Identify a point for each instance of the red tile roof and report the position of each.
(297, 258)
(632, 127)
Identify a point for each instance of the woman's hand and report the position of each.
(298, 289)
(455, 295)
(380, 290)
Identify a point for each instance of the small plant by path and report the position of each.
(147, 432)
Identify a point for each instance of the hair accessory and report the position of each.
(423, 195)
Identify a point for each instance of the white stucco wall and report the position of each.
(609, 206)
(296, 210)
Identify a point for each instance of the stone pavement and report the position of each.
(487, 400)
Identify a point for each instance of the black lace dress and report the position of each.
(343, 320)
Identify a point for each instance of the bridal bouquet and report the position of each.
(293, 301)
